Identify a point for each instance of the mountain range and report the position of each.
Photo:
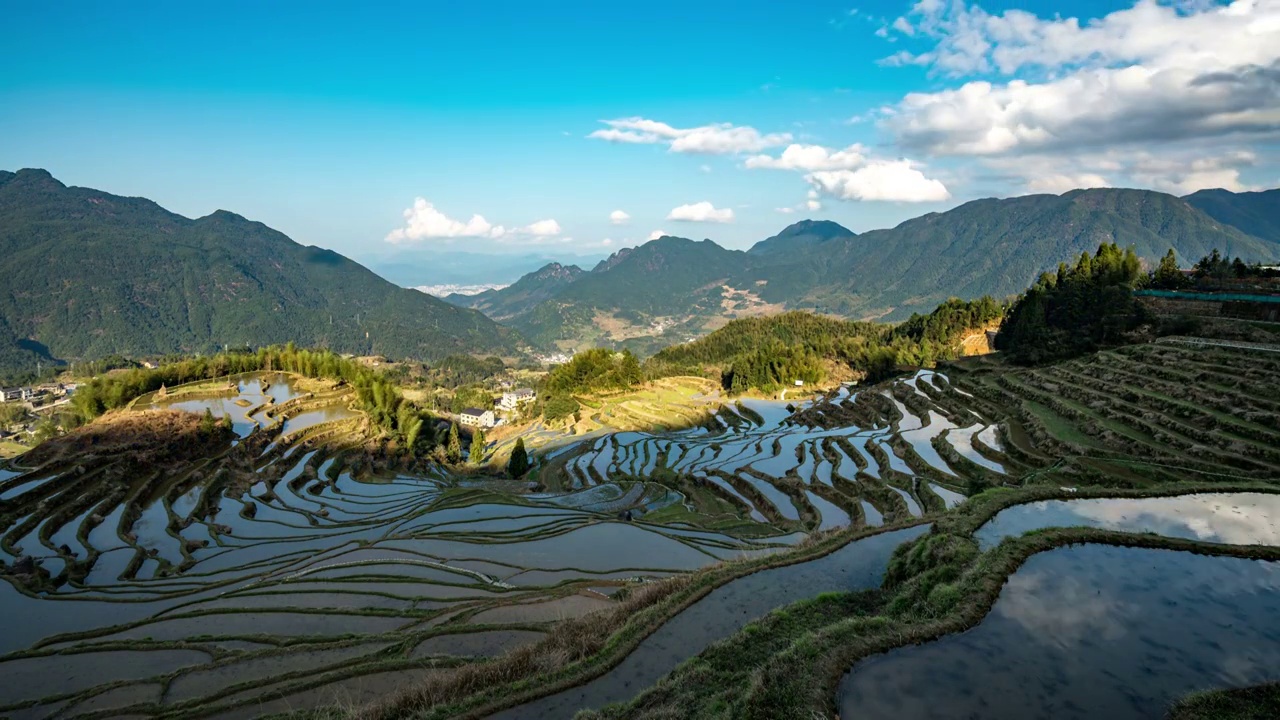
(672, 289)
(89, 274)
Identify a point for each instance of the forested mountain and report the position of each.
(1256, 213)
(806, 235)
(994, 247)
(521, 296)
(88, 274)
(673, 289)
(638, 293)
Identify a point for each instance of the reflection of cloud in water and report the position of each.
(1076, 611)
(1234, 518)
(1216, 518)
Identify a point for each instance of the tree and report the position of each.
(48, 428)
(453, 449)
(559, 407)
(1168, 276)
(11, 414)
(411, 436)
(477, 447)
(518, 465)
(207, 423)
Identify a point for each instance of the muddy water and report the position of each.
(858, 565)
(1088, 632)
(1235, 518)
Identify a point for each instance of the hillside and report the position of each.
(521, 296)
(671, 289)
(805, 235)
(1256, 213)
(89, 274)
(992, 247)
(669, 285)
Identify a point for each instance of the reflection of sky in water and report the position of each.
(1235, 518)
(1088, 632)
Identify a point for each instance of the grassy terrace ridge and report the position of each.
(1247, 703)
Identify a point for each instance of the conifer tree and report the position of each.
(518, 465)
(477, 447)
(453, 450)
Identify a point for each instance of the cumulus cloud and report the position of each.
(810, 157)
(1157, 71)
(656, 234)
(618, 217)
(1182, 177)
(543, 228)
(813, 203)
(1178, 171)
(701, 212)
(1056, 184)
(888, 180)
(713, 139)
(424, 221)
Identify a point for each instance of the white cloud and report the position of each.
(1161, 94)
(1182, 177)
(543, 228)
(1155, 72)
(701, 212)
(812, 205)
(423, 221)
(618, 217)
(890, 180)
(1056, 184)
(810, 157)
(785, 210)
(714, 139)
(656, 234)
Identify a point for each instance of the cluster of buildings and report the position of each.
(486, 418)
(49, 391)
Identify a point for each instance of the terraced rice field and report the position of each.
(296, 569)
(305, 579)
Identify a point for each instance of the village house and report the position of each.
(476, 417)
(16, 394)
(515, 398)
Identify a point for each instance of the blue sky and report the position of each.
(328, 121)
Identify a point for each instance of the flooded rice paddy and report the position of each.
(314, 579)
(1234, 518)
(320, 582)
(857, 566)
(1088, 631)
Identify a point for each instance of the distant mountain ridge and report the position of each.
(1255, 213)
(673, 289)
(89, 274)
(522, 295)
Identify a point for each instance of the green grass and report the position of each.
(1259, 702)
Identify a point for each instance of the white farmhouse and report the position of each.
(515, 398)
(476, 417)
